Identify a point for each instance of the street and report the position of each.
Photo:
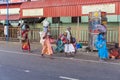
(18, 65)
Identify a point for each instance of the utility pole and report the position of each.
(7, 21)
(118, 20)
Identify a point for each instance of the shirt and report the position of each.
(5, 30)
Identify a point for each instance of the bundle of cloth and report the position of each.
(114, 53)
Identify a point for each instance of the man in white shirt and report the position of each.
(5, 31)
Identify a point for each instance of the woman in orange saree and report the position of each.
(46, 45)
(25, 40)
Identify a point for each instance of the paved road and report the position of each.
(36, 49)
(18, 65)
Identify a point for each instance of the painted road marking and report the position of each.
(27, 71)
(67, 78)
(92, 61)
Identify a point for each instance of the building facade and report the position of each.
(61, 12)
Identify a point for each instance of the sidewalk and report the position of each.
(36, 49)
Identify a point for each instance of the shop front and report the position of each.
(67, 12)
(64, 10)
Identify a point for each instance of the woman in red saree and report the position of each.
(25, 39)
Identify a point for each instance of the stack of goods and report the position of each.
(103, 18)
(96, 21)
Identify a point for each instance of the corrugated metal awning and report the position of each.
(62, 11)
(57, 8)
(10, 17)
(118, 9)
(50, 3)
